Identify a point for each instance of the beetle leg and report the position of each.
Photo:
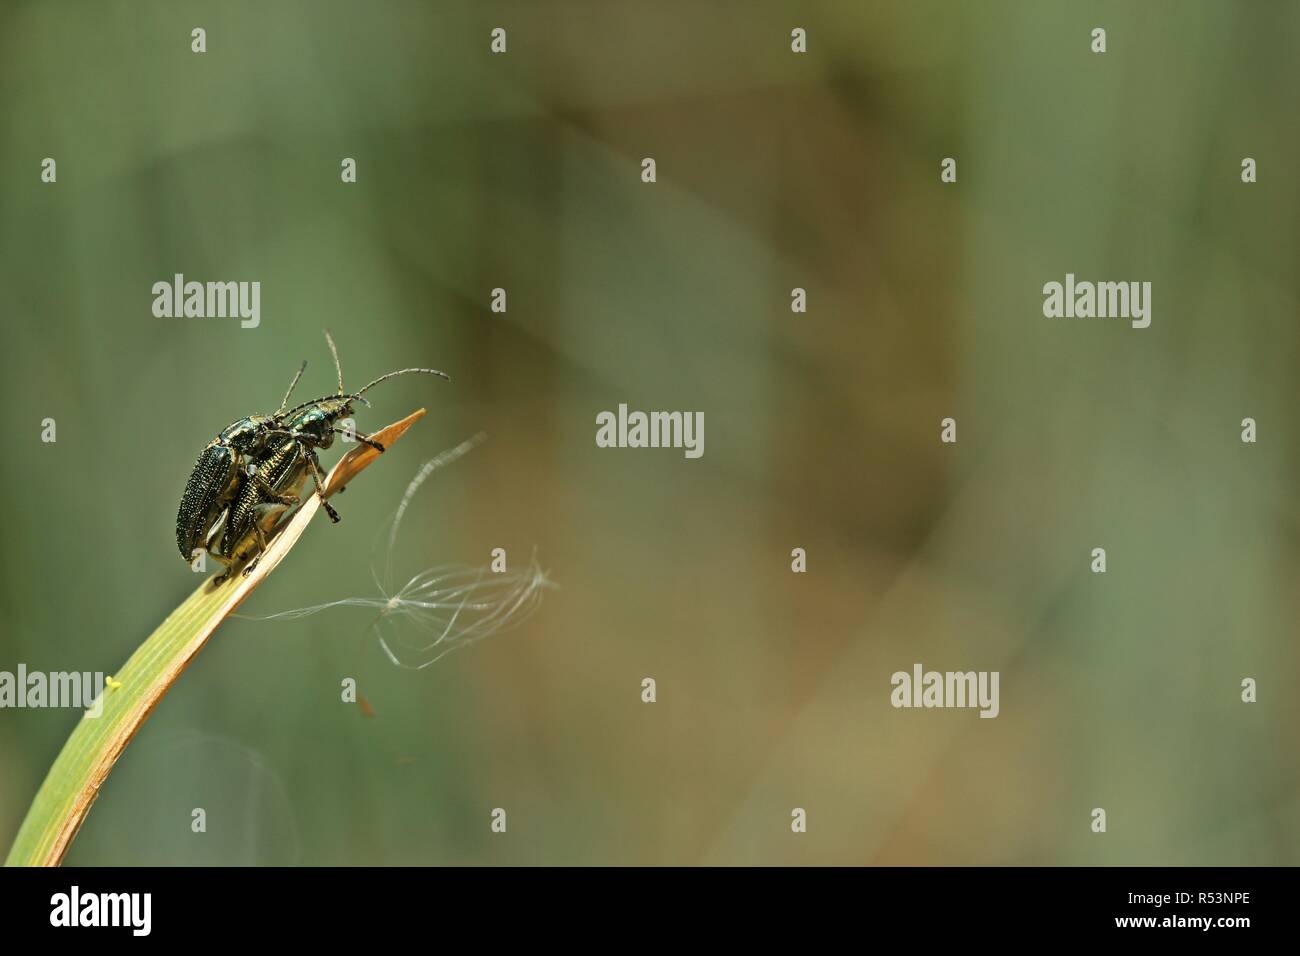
(320, 484)
(270, 493)
(228, 568)
(261, 549)
(364, 439)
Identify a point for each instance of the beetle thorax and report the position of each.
(244, 431)
(316, 421)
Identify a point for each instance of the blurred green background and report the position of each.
(775, 170)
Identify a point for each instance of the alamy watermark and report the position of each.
(1084, 300)
(922, 688)
(82, 690)
(129, 910)
(209, 300)
(626, 429)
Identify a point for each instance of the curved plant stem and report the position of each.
(79, 771)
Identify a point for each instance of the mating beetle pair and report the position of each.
(256, 469)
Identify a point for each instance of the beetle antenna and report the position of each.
(292, 386)
(357, 396)
(335, 352)
(324, 398)
(428, 371)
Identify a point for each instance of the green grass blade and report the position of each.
(79, 771)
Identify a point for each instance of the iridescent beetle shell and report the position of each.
(215, 480)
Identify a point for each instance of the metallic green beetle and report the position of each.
(240, 520)
(259, 507)
(219, 471)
